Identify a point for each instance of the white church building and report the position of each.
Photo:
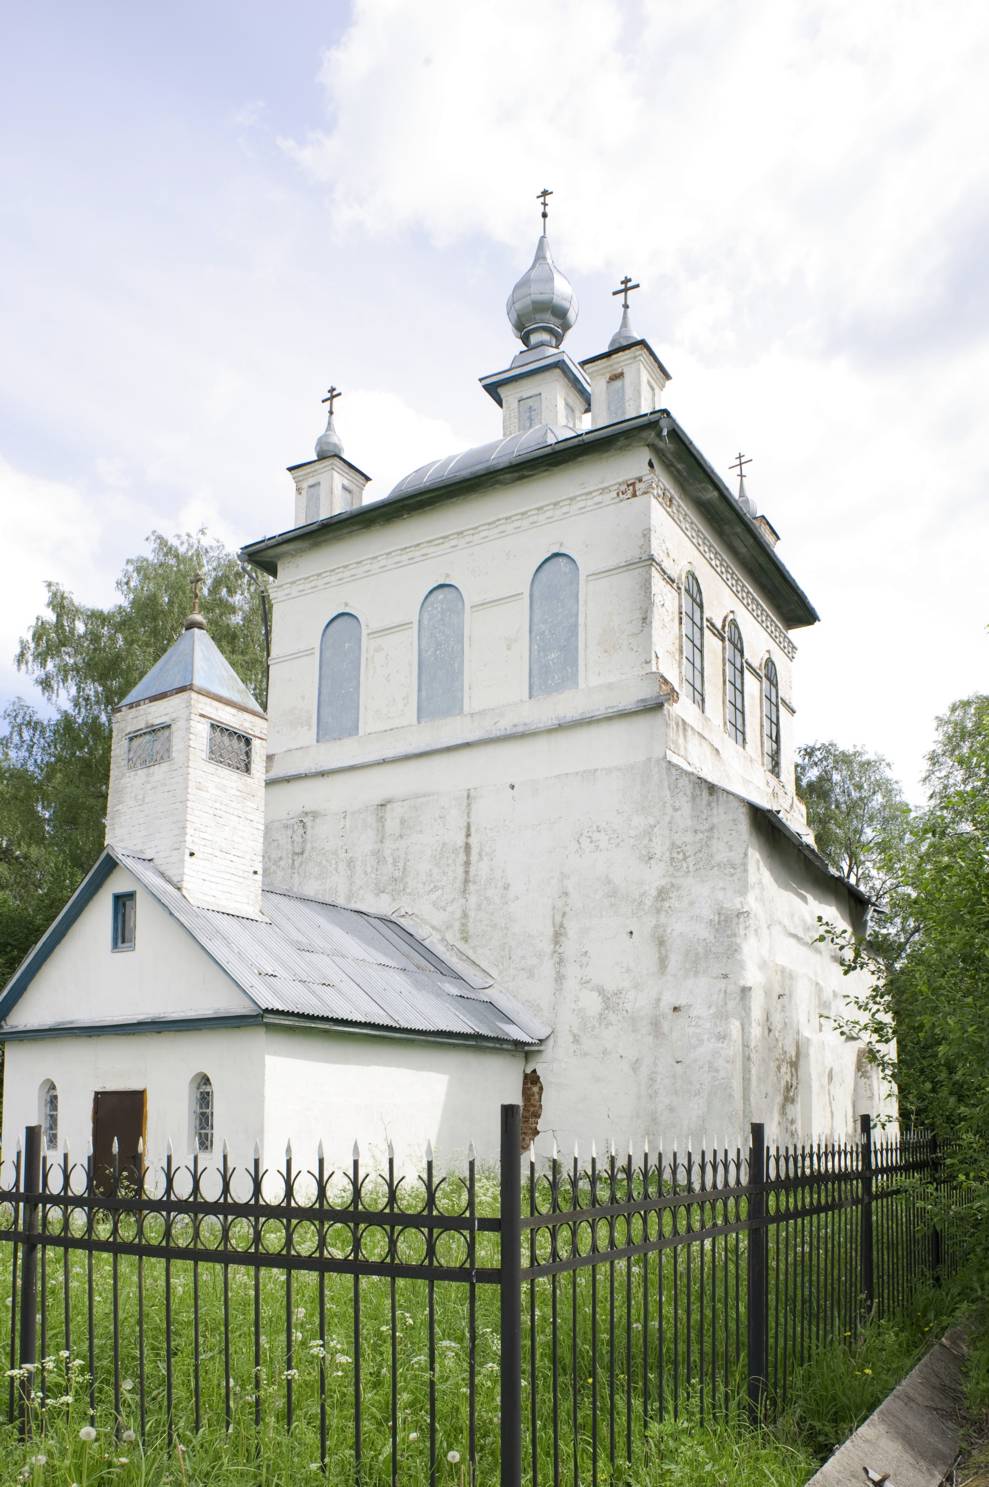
(520, 824)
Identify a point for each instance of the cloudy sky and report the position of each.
(210, 211)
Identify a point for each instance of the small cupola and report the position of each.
(328, 484)
(543, 385)
(628, 379)
(187, 770)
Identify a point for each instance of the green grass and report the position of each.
(826, 1398)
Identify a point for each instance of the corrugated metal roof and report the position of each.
(316, 960)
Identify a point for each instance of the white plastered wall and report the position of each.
(342, 1087)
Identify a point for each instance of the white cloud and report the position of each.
(50, 531)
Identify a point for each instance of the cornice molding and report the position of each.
(721, 565)
(489, 531)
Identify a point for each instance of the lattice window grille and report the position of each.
(734, 683)
(50, 1117)
(230, 748)
(202, 1114)
(693, 640)
(152, 746)
(771, 717)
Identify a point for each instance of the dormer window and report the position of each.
(530, 412)
(230, 748)
(124, 931)
(150, 746)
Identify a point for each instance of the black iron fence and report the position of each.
(536, 1323)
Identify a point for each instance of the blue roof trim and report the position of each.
(56, 932)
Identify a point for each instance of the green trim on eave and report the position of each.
(403, 1035)
(119, 1029)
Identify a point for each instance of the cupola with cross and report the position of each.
(543, 385)
(187, 771)
(628, 378)
(328, 484)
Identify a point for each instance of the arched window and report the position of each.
(338, 711)
(441, 653)
(771, 716)
(693, 640)
(734, 683)
(554, 626)
(202, 1113)
(48, 1103)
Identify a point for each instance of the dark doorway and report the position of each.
(118, 1114)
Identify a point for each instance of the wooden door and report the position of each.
(118, 1114)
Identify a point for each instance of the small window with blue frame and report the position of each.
(124, 920)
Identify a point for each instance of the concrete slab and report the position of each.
(912, 1439)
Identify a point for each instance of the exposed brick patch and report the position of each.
(532, 1107)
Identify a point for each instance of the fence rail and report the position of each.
(535, 1326)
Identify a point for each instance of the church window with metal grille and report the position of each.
(771, 716)
(150, 746)
(693, 640)
(734, 683)
(49, 1114)
(230, 748)
(202, 1114)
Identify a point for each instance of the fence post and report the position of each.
(30, 1210)
(935, 1176)
(510, 1286)
(865, 1213)
(758, 1235)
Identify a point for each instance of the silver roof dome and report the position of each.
(482, 458)
(543, 306)
(329, 441)
(624, 335)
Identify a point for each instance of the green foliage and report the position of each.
(54, 766)
(857, 812)
(933, 992)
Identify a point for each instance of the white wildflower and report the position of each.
(127, 1385)
(128, 1436)
(413, 1435)
(87, 1434)
(453, 1457)
(343, 1358)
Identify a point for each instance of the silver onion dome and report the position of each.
(744, 499)
(329, 441)
(543, 306)
(624, 335)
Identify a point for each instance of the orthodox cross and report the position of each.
(197, 584)
(740, 463)
(544, 196)
(625, 288)
(332, 393)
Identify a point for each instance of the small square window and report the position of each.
(124, 920)
(230, 748)
(150, 746)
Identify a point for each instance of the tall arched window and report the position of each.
(48, 1103)
(441, 653)
(693, 640)
(338, 711)
(201, 1113)
(734, 683)
(771, 716)
(554, 626)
